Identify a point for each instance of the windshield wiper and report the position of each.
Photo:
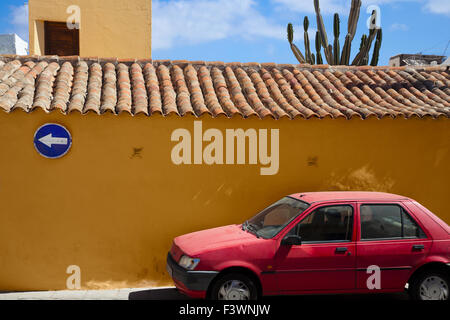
(252, 228)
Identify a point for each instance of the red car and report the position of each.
(319, 242)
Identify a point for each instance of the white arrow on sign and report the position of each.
(49, 140)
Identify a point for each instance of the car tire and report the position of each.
(430, 285)
(233, 286)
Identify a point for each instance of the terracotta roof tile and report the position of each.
(223, 95)
(63, 85)
(109, 88)
(169, 104)
(221, 89)
(236, 92)
(152, 87)
(211, 100)
(196, 95)
(79, 88)
(184, 105)
(139, 93)
(94, 88)
(124, 102)
(44, 87)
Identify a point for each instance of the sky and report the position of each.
(255, 30)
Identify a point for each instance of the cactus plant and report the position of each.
(318, 48)
(376, 50)
(306, 39)
(337, 46)
(333, 53)
(295, 50)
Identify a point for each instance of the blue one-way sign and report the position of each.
(52, 140)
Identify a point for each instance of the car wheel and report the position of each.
(431, 285)
(233, 286)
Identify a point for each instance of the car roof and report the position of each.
(312, 197)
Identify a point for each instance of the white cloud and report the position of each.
(189, 22)
(307, 6)
(398, 27)
(343, 6)
(328, 7)
(19, 20)
(438, 6)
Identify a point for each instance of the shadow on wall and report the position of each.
(110, 285)
(363, 179)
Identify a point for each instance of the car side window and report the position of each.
(331, 223)
(386, 221)
(410, 228)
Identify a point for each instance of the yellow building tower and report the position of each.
(91, 28)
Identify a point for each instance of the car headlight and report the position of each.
(188, 262)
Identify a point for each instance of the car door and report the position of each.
(390, 241)
(325, 260)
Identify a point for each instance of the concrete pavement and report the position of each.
(170, 293)
(117, 294)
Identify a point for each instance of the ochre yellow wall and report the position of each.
(109, 28)
(115, 215)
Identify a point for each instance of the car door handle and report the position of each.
(341, 250)
(418, 247)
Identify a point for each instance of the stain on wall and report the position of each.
(364, 179)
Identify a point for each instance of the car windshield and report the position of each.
(274, 218)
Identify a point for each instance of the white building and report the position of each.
(13, 44)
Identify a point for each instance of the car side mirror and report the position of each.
(291, 240)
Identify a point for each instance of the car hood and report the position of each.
(197, 242)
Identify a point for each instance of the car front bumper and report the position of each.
(192, 283)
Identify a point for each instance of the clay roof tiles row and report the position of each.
(272, 90)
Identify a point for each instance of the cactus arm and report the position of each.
(363, 42)
(351, 31)
(317, 42)
(323, 33)
(290, 33)
(330, 50)
(318, 48)
(363, 53)
(319, 58)
(358, 57)
(307, 49)
(306, 39)
(362, 57)
(297, 53)
(346, 51)
(337, 51)
(376, 50)
(337, 47)
(353, 23)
